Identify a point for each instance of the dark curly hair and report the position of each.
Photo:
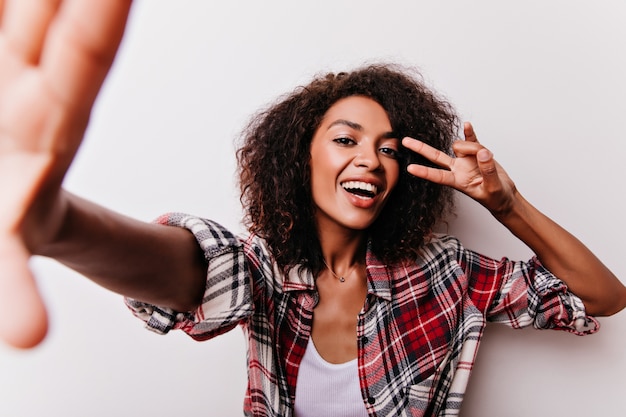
(274, 159)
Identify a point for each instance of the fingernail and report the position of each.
(483, 155)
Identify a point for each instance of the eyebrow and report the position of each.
(356, 126)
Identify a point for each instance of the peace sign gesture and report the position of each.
(54, 56)
(473, 171)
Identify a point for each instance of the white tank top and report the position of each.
(327, 389)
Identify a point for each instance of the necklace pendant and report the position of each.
(342, 279)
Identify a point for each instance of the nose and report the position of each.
(367, 157)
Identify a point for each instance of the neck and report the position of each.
(341, 250)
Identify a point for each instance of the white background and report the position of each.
(542, 81)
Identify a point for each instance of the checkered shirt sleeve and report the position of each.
(227, 298)
(530, 296)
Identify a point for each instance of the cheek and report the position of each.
(393, 175)
(324, 169)
(321, 185)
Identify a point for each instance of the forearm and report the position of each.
(149, 262)
(566, 257)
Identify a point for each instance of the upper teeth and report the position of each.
(360, 185)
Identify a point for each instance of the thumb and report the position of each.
(488, 169)
(23, 317)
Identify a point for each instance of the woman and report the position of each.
(341, 261)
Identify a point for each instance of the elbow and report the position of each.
(609, 305)
(187, 298)
(182, 296)
(186, 303)
(621, 302)
(187, 293)
(621, 305)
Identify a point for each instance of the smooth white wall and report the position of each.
(543, 82)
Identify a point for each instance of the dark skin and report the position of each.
(473, 170)
(352, 148)
(335, 318)
(52, 68)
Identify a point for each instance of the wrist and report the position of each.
(45, 223)
(511, 208)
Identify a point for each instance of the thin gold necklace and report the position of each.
(340, 278)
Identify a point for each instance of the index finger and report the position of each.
(434, 155)
(468, 132)
(80, 47)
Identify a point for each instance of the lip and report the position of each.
(360, 202)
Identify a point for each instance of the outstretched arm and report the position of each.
(475, 172)
(54, 57)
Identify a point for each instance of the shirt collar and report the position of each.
(378, 277)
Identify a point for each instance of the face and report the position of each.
(353, 164)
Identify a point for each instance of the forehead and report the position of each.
(357, 109)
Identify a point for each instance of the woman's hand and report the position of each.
(54, 56)
(473, 171)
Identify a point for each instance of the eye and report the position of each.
(344, 140)
(388, 151)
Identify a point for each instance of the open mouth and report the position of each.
(360, 189)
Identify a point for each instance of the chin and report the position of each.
(360, 226)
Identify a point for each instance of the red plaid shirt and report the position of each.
(417, 334)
